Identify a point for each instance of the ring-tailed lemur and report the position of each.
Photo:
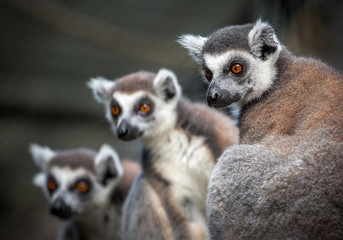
(86, 189)
(285, 179)
(182, 142)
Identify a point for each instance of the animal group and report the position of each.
(274, 173)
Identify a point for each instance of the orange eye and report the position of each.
(208, 74)
(52, 185)
(236, 68)
(82, 186)
(144, 107)
(115, 111)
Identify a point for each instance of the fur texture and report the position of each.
(95, 213)
(284, 180)
(182, 141)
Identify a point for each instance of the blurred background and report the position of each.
(49, 49)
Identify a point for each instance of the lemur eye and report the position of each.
(115, 111)
(144, 108)
(208, 74)
(52, 185)
(82, 186)
(236, 68)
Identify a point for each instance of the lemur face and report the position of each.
(138, 104)
(237, 62)
(229, 76)
(132, 115)
(77, 182)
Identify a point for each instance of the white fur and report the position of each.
(90, 213)
(187, 165)
(164, 114)
(102, 157)
(64, 177)
(90, 210)
(41, 155)
(216, 63)
(39, 180)
(127, 103)
(254, 40)
(194, 44)
(165, 118)
(235, 111)
(101, 88)
(185, 160)
(162, 76)
(263, 73)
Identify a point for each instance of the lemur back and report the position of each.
(284, 181)
(181, 141)
(85, 189)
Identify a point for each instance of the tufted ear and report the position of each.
(39, 180)
(41, 155)
(262, 40)
(166, 85)
(194, 44)
(101, 88)
(107, 165)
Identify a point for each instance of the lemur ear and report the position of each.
(262, 40)
(194, 44)
(101, 88)
(39, 180)
(107, 165)
(41, 155)
(166, 85)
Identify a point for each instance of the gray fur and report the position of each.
(284, 181)
(167, 201)
(262, 40)
(228, 38)
(187, 120)
(167, 89)
(74, 159)
(91, 215)
(135, 82)
(69, 231)
(264, 196)
(194, 44)
(150, 220)
(254, 46)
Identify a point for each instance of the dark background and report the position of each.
(50, 48)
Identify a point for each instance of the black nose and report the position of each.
(60, 209)
(127, 132)
(123, 129)
(212, 98)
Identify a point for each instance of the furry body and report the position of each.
(181, 143)
(287, 175)
(284, 180)
(173, 185)
(96, 213)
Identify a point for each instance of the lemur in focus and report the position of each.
(285, 179)
(182, 141)
(85, 189)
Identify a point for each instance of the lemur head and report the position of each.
(238, 62)
(76, 182)
(139, 105)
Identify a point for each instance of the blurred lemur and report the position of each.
(182, 142)
(285, 179)
(86, 189)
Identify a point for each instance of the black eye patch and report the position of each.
(115, 108)
(236, 67)
(81, 186)
(144, 107)
(51, 184)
